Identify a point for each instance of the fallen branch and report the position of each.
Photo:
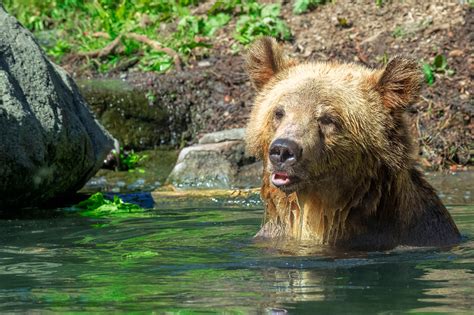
(157, 46)
(101, 34)
(107, 50)
(113, 45)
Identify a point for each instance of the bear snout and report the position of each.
(285, 153)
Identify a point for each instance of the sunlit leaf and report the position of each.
(271, 10)
(300, 6)
(428, 73)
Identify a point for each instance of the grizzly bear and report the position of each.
(338, 157)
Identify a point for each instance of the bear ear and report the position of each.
(264, 60)
(400, 82)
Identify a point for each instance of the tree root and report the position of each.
(100, 53)
(117, 42)
(156, 46)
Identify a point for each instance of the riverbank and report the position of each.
(211, 91)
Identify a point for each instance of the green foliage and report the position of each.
(439, 65)
(128, 160)
(343, 22)
(302, 6)
(428, 73)
(97, 206)
(60, 48)
(379, 3)
(225, 6)
(155, 61)
(203, 26)
(79, 23)
(259, 19)
(89, 26)
(399, 32)
(383, 58)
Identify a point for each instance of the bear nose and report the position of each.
(284, 151)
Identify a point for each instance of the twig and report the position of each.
(107, 50)
(101, 34)
(156, 46)
(360, 54)
(113, 45)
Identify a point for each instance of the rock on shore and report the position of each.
(50, 144)
(218, 161)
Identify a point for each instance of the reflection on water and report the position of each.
(203, 259)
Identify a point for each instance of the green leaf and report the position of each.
(241, 38)
(282, 30)
(132, 159)
(440, 63)
(301, 6)
(270, 10)
(450, 72)
(215, 22)
(94, 201)
(428, 73)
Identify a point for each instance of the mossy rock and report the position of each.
(129, 114)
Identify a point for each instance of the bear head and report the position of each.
(319, 125)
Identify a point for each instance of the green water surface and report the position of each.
(185, 259)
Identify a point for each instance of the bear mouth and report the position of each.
(282, 180)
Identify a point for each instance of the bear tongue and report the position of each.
(280, 178)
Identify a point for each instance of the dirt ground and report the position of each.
(212, 92)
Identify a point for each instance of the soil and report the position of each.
(212, 92)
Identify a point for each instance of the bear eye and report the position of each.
(279, 113)
(327, 120)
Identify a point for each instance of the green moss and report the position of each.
(98, 206)
(128, 114)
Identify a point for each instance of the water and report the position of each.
(188, 259)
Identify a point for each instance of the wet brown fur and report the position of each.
(359, 186)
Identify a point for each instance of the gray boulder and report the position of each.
(216, 163)
(50, 144)
(223, 135)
